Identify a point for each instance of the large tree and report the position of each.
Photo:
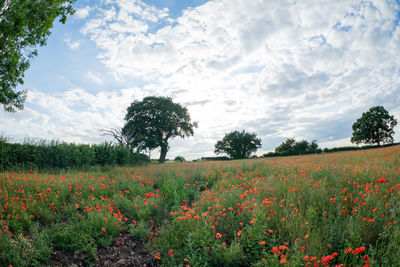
(24, 24)
(374, 127)
(150, 123)
(238, 145)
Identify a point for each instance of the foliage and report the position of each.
(150, 124)
(374, 127)
(180, 159)
(352, 148)
(238, 145)
(286, 146)
(50, 155)
(292, 147)
(24, 251)
(214, 158)
(23, 26)
(140, 232)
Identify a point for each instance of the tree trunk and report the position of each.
(163, 154)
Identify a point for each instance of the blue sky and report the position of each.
(281, 69)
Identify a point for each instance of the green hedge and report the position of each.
(64, 155)
(291, 153)
(350, 148)
(328, 150)
(214, 158)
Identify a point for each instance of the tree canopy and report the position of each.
(238, 145)
(24, 25)
(292, 147)
(374, 127)
(150, 123)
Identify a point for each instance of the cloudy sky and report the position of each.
(303, 69)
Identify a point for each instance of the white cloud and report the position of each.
(72, 45)
(94, 77)
(82, 13)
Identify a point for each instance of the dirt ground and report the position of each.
(123, 252)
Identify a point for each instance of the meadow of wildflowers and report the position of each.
(315, 210)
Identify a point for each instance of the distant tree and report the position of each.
(292, 147)
(374, 127)
(301, 147)
(238, 145)
(286, 146)
(24, 24)
(153, 121)
(180, 159)
(313, 147)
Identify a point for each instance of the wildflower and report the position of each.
(283, 260)
(218, 235)
(171, 252)
(262, 243)
(157, 256)
(276, 251)
(103, 229)
(239, 233)
(359, 250)
(366, 258)
(348, 250)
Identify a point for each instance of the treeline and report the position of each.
(50, 155)
(214, 158)
(292, 147)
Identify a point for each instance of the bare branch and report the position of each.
(117, 134)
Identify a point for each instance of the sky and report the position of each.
(280, 69)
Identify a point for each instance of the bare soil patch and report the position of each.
(122, 252)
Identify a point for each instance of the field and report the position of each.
(315, 210)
